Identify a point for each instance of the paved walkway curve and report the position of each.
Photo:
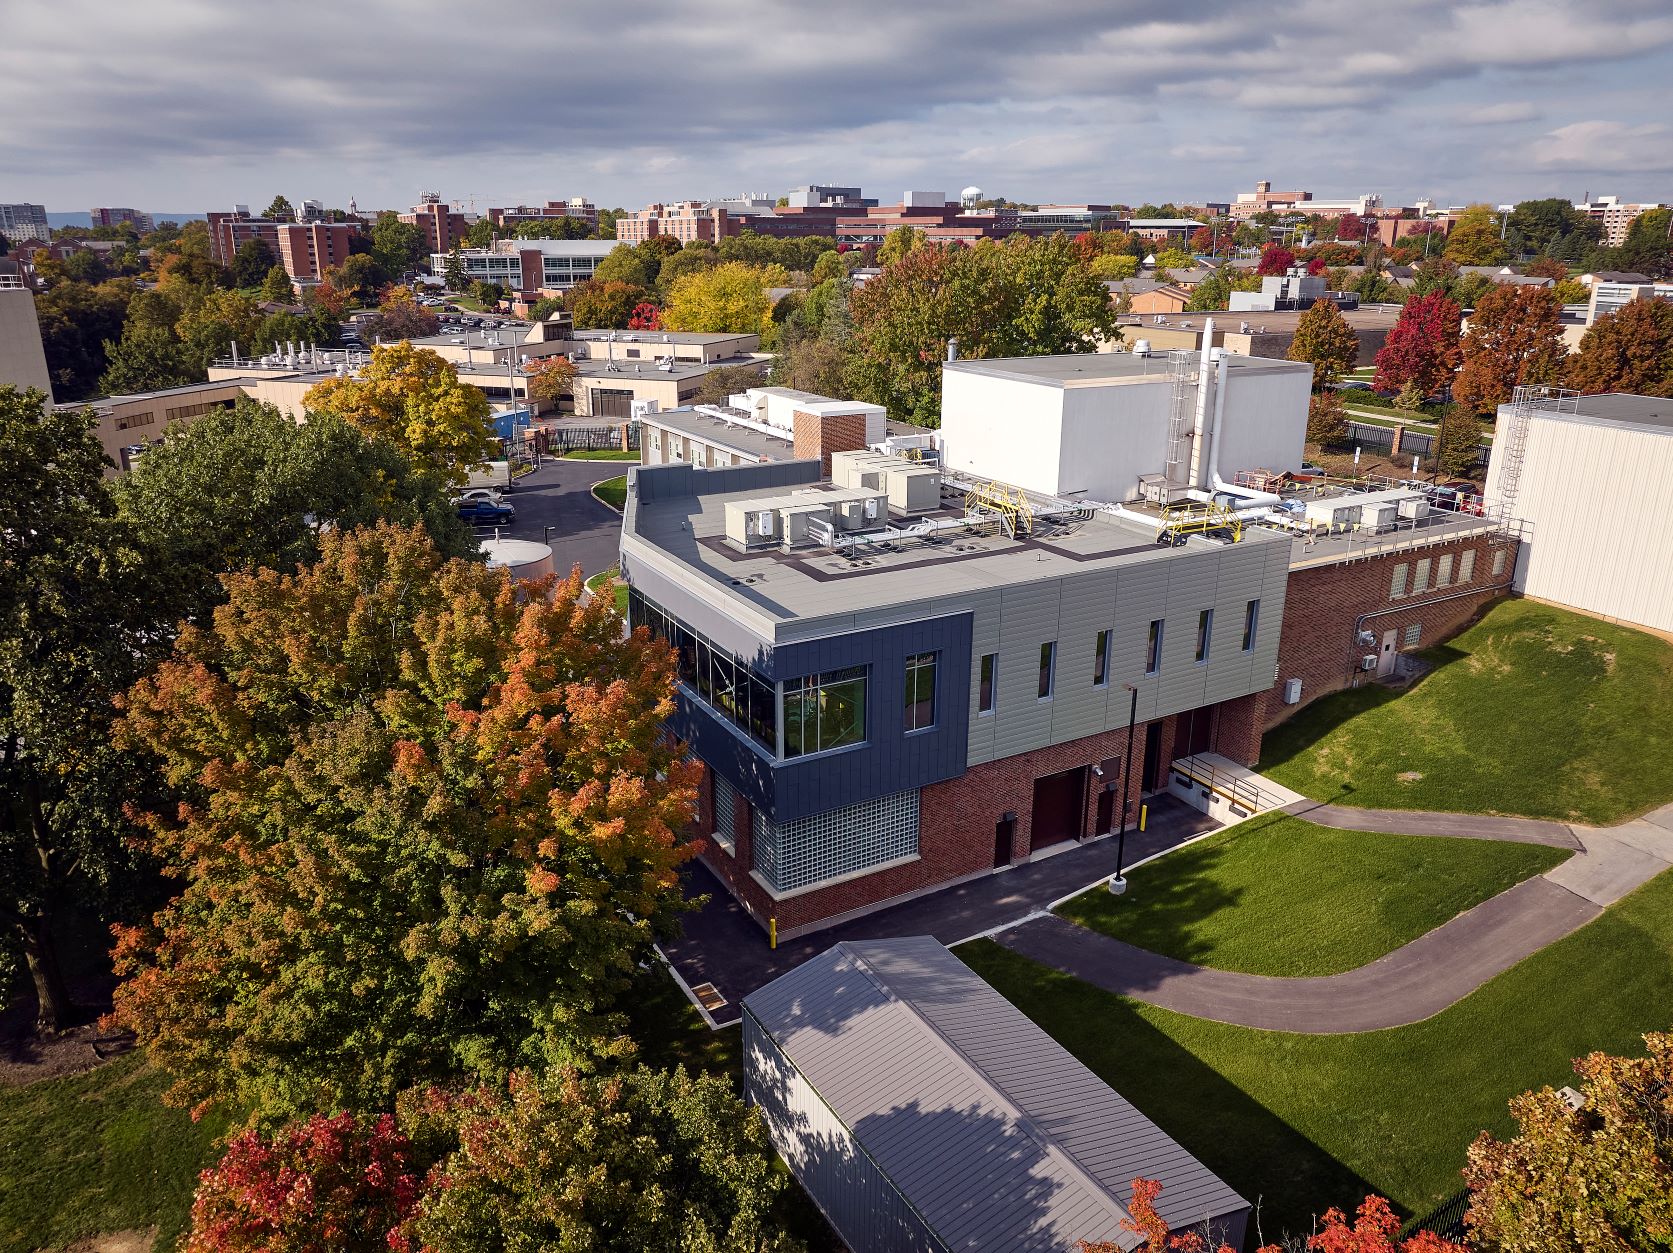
(1413, 982)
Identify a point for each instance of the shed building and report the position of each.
(922, 1111)
(1588, 475)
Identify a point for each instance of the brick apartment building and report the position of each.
(305, 249)
(577, 207)
(141, 222)
(443, 226)
(893, 694)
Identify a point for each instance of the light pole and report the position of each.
(1118, 884)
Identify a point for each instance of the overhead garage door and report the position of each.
(612, 403)
(1057, 808)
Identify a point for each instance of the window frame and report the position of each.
(1101, 658)
(916, 664)
(1047, 685)
(810, 692)
(1205, 635)
(1153, 646)
(987, 685)
(1251, 624)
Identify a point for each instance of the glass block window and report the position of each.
(1420, 579)
(1466, 565)
(726, 813)
(1414, 633)
(1443, 571)
(1498, 563)
(824, 711)
(1397, 585)
(804, 851)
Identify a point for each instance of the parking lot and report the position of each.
(555, 505)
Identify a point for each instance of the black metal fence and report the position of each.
(1446, 1220)
(561, 439)
(1380, 439)
(1371, 438)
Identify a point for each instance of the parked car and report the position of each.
(480, 493)
(485, 512)
(1353, 385)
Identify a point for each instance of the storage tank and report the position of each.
(526, 559)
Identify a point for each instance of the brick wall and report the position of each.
(1323, 603)
(820, 435)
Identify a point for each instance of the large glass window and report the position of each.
(984, 692)
(727, 685)
(824, 711)
(1153, 648)
(1048, 663)
(1205, 629)
(920, 691)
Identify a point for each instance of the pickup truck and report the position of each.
(485, 512)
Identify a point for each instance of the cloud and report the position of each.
(177, 102)
(1607, 147)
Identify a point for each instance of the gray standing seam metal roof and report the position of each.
(997, 1135)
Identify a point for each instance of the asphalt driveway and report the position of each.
(555, 506)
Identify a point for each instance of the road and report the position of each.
(559, 496)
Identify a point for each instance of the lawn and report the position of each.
(1303, 1122)
(602, 454)
(1533, 711)
(95, 1153)
(603, 577)
(1280, 896)
(613, 492)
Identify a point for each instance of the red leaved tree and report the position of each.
(645, 317)
(1375, 1229)
(1275, 259)
(1422, 350)
(341, 1183)
(1515, 338)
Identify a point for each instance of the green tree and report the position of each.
(1214, 292)
(487, 294)
(596, 305)
(1647, 248)
(692, 259)
(625, 264)
(639, 1160)
(481, 234)
(1175, 259)
(725, 381)
(1546, 227)
(398, 247)
(277, 287)
(76, 322)
(251, 263)
(74, 632)
(147, 359)
(454, 273)
(1324, 339)
(1630, 350)
(414, 400)
(279, 210)
(430, 830)
(359, 278)
(1475, 238)
(828, 266)
(1458, 442)
(900, 242)
(1115, 266)
(209, 329)
(1515, 337)
(565, 227)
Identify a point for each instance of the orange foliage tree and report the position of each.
(429, 826)
(1515, 337)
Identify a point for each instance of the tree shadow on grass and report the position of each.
(1171, 897)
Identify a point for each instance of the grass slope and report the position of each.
(1280, 896)
(1532, 711)
(613, 492)
(96, 1153)
(1305, 1122)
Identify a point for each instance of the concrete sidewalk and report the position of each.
(1415, 981)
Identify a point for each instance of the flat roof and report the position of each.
(1230, 321)
(992, 1130)
(650, 369)
(711, 430)
(1654, 413)
(806, 585)
(1080, 369)
(660, 337)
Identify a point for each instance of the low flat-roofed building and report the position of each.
(922, 1110)
(126, 424)
(530, 265)
(1257, 333)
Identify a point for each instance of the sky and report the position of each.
(188, 105)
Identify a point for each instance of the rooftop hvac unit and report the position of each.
(1292, 691)
(1368, 662)
(1367, 637)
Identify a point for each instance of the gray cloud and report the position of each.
(181, 104)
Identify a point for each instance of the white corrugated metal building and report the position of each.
(922, 1111)
(1594, 478)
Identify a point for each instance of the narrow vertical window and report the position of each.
(1466, 565)
(1498, 563)
(1251, 623)
(1420, 577)
(1397, 585)
(984, 692)
(920, 691)
(1101, 661)
(1048, 663)
(1153, 648)
(1205, 627)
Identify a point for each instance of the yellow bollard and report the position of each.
(772, 933)
(1144, 812)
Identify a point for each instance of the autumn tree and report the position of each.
(1474, 239)
(723, 382)
(413, 399)
(343, 1183)
(551, 378)
(645, 317)
(1327, 418)
(1324, 339)
(1114, 266)
(1630, 350)
(428, 829)
(637, 1160)
(900, 242)
(1422, 350)
(599, 305)
(728, 298)
(400, 316)
(1598, 1178)
(1515, 338)
(1275, 259)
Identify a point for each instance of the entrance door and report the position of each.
(1058, 801)
(1388, 655)
(1003, 832)
(1152, 758)
(1106, 809)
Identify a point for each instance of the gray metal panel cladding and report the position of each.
(990, 1129)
